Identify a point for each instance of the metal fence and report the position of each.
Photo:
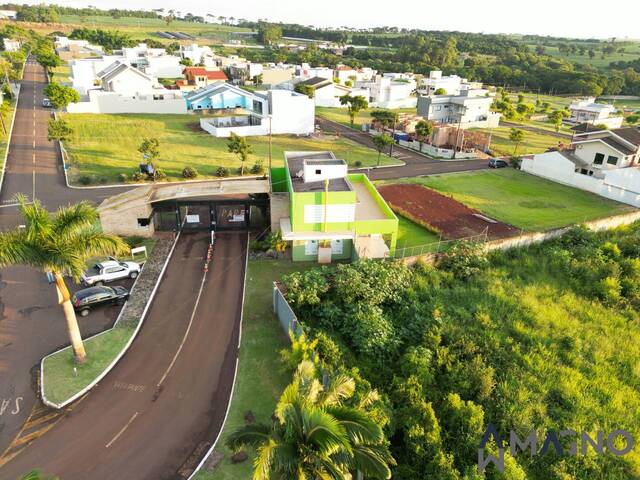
(437, 247)
(284, 312)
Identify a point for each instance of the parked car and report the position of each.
(89, 298)
(46, 103)
(497, 163)
(108, 271)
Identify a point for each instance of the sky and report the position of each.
(566, 18)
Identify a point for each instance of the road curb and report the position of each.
(13, 121)
(235, 372)
(122, 352)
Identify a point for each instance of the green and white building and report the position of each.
(327, 213)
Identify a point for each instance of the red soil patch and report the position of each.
(444, 214)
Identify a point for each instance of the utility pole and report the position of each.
(395, 121)
(270, 156)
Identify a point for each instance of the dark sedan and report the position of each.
(89, 298)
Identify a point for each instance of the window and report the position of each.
(438, 108)
(144, 222)
(318, 172)
(599, 158)
(311, 247)
(612, 160)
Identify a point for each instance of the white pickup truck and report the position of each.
(109, 271)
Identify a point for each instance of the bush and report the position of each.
(257, 168)
(85, 179)
(160, 175)
(189, 172)
(464, 260)
(123, 177)
(306, 288)
(515, 162)
(357, 163)
(222, 172)
(134, 241)
(138, 177)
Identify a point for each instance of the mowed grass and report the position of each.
(341, 115)
(104, 146)
(260, 380)
(411, 234)
(64, 378)
(62, 74)
(522, 200)
(534, 142)
(7, 118)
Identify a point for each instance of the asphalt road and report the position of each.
(168, 397)
(31, 322)
(415, 164)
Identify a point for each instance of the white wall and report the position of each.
(292, 113)
(166, 66)
(106, 102)
(622, 185)
(84, 71)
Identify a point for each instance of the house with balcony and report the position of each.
(247, 113)
(388, 92)
(451, 84)
(604, 162)
(327, 213)
(588, 111)
(468, 109)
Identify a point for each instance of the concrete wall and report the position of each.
(435, 151)
(107, 102)
(126, 224)
(292, 113)
(622, 185)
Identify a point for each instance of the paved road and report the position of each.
(415, 164)
(31, 322)
(128, 428)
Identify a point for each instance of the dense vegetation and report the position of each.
(529, 339)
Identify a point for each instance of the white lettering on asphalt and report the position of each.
(10, 402)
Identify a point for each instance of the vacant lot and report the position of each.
(533, 142)
(341, 115)
(441, 213)
(104, 146)
(522, 200)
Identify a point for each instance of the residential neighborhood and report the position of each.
(328, 241)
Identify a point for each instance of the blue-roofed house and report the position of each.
(224, 96)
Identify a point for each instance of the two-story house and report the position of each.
(469, 108)
(199, 77)
(328, 214)
(605, 162)
(588, 111)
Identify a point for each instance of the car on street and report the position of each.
(108, 271)
(497, 163)
(46, 103)
(87, 299)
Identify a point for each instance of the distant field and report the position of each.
(631, 52)
(557, 103)
(533, 142)
(104, 146)
(523, 200)
(341, 115)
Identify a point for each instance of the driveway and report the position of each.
(169, 396)
(415, 164)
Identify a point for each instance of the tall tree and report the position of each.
(381, 142)
(61, 95)
(317, 433)
(354, 105)
(516, 136)
(61, 244)
(241, 147)
(424, 129)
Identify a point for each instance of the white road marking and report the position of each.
(122, 430)
(186, 334)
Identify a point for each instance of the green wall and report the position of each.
(298, 255)
(279, 179)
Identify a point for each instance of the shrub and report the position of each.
(138, 177)
(189, 172)
(357, 163)
(306, 288)
(160, 175)
(257, 168)
(514, 162)
(85, 179)
(134, 241)
(103, 180)
(123, 177)
(222, 172)
(464, 260)
(609, 290)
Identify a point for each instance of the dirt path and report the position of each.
(168, 396)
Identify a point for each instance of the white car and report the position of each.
(108, 271)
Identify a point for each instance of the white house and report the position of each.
(84, 72)
(604, 162)
(469, 109)
(152, 61)
(327, 93)
(245, 71)
(305, 72)
(8, 15)
(451, 84)
(253, 113)
(68, 49)
(385, 92)
(345, 73)
(11, 45)
(199, 55)
(588, 111)
(125, 89)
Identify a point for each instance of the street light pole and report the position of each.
(393, 133)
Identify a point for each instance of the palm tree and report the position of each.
(61, 244)
(315, 434)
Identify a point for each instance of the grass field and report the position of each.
(259, 381)
(632, 51)
(533, 142)
(341, 115)
(62, 74)
(7, 118)
(411, 234)
(103, 146)
(522, 200)
(64, 378)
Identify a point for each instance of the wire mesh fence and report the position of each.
(437, 247)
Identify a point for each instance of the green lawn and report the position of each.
(632, 51)
(104, 146)
(62, 74)
(522, 200)
(533, 142)
(259, 381)
(64, 378)
(341, 115)
(7, 118)
(411, 234)
(557, 103)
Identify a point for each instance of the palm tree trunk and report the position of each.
(72, 322)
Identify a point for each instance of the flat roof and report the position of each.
(295, 163)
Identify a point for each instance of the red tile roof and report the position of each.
(210, 74)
